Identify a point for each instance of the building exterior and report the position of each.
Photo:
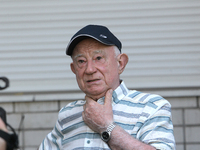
(161, 38)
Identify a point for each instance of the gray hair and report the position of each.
(117, 52)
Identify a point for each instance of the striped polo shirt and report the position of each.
(146, 117)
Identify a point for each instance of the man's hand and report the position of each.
(98, 117)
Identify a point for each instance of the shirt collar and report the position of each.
(120, 92)
(117, 95)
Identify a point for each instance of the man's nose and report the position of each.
(91, 68)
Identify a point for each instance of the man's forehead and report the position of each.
(93, 52)
(90, 44)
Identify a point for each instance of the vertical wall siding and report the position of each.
(161, 38)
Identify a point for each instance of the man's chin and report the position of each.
(96, 94)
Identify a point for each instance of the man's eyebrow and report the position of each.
(78, 55)
(95, 52)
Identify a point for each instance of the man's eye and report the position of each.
(99, 58)
(81, 61)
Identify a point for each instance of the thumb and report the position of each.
(108, 97)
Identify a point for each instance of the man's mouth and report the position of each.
(93, 80)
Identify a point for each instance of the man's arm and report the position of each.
(121, 140)
(98, 117)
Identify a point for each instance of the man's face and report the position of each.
(96, 67)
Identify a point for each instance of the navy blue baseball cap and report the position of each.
(97, 32)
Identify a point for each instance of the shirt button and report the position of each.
(88, 141)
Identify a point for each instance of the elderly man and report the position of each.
(111, 116)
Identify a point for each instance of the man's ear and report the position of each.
(122, 61)
(72, 68)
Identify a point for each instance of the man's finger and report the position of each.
(108, 97)
(83, 116)
(88, 99)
